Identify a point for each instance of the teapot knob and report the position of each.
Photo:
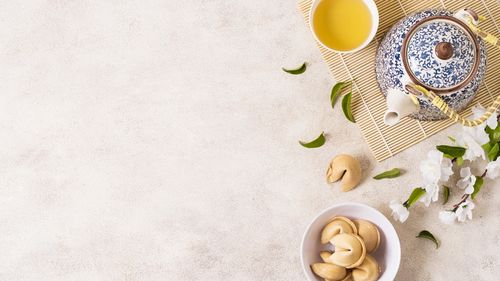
(444, 50)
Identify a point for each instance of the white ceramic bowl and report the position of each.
(388, 255)
(372, 7)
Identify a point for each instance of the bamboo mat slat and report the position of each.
(367, 101)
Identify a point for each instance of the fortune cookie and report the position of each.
(348, 276)
(329, 271)
(367, 271)
(350, 250)
(336, 226)
(325, 255)
(370, 234)
(346, 168)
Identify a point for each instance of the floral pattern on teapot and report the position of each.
(430, 69)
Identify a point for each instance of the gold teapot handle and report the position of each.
(452, 114)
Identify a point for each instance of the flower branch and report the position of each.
(481, 142)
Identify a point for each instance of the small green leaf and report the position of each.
(493, 133)
(453, 151)
(487, 147)
(346, 107)
(448, 156)
(493, 153)
(319, 141)
(477, 187)
(446, 194)
(388, 174)
(427, 235)
(495, 137)
(337, 90)
(460, 161)
(414, 196)
(452, 139)
(299, 70)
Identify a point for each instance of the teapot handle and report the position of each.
(472, 20)
(452, 114)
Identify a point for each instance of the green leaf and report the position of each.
(414, 196)
(495, 137)
(477, 187)
(460, 161)
(346, 107)
(493, 133)
(446, 194)
(454, 151)
(299, 70)
(492, 149)
(319, 141)
(337, 90)
(493, 153)
(427, 235)
(452, 139)
(394, 173)
(487, 147)
(448, 156)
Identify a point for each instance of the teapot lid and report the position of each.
(441, 53)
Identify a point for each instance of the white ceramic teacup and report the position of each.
(372, 7)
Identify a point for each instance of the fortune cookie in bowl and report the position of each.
(329, 271)
(324, 256)
(346, 168)
(370, 234)
(367, 271)
(350, 250)
(348, 276)
(336, 226)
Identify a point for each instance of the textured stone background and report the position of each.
(157, 140)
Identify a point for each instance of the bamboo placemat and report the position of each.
(368, 104)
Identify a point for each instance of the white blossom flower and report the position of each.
(472, 143)
(447, 217)
(436, 168)
(399, 212)
(493, 169)
(467, 181)
(431, 194)
(478, 133)
(464, 210)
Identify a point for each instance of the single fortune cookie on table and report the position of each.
(370, 234)
(345, 168)
(336, 226)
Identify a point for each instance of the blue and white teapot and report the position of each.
(436, 50)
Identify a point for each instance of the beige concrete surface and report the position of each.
(157, 140)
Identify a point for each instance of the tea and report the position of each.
(342, 25)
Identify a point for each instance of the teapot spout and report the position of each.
(399, 105)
